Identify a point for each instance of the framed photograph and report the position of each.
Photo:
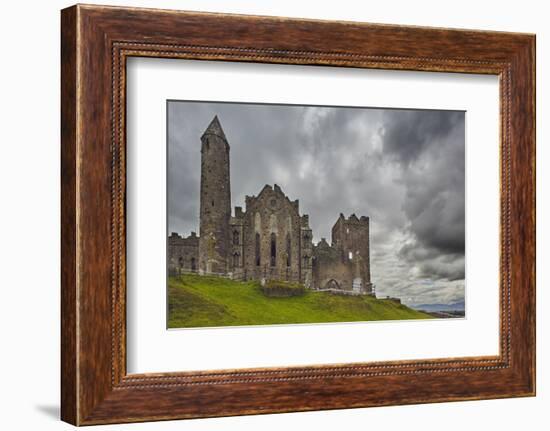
(266, 215)
(246, 259)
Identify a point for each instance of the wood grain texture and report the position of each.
(69, 397)
(96, 41)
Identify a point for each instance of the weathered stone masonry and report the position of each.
(183, 252)
(269, 239)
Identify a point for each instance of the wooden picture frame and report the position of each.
(95, 43)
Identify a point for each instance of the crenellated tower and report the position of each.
(351, 237)
(215, 200)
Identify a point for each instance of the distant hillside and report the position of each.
(455, 306)
(200, 301)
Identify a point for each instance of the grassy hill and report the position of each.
(200, 301)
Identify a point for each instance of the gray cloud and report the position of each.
(403, 168)
(429, 146)
(409, 133)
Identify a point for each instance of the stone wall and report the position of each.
(330, 269)
(183, 253)
(236, 237)
(272, 236)
(351, 237)
(306, 253)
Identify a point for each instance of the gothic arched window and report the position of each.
(273, 249)
(236, 259)
(236, 237)
(288, 250)
(257, 248)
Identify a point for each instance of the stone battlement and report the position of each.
(353, 219)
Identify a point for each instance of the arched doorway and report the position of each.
(332, 284)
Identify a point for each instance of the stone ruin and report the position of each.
(269, 239)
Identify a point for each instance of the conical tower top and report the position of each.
(215, 128)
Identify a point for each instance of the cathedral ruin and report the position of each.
(269, 239)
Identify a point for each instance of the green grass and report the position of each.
(200, 301)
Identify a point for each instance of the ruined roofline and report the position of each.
(322, 243)
(277, 189)
(304, 221)
(239, 213)
(352, 219)
(174, 236)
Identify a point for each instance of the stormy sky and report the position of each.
(402, 168)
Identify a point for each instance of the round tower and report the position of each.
(215, 200)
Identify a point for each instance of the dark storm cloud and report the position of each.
(409, 133)
(429, 147)
(432, 263)
(403, 168)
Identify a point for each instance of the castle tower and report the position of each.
(215, 201)
(351, 236)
